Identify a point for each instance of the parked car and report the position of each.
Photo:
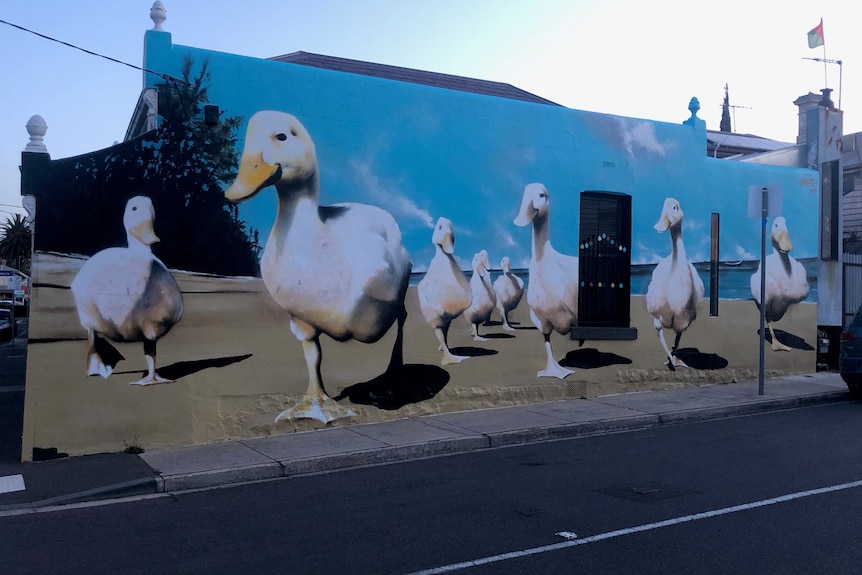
(7, 324)
(850, 358)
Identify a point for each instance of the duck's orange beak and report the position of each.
(254, 175)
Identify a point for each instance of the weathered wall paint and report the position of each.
(421, 155)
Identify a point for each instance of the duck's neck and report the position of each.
(676, 241)
(297, 203)
(136, 246)
(783, 256)
(541, 240)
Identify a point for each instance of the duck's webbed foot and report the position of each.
(319, 407)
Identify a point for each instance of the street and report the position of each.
(691, 498)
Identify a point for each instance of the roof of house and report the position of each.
(723, 144)
(397, 73)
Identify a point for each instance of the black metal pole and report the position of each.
(764, 209)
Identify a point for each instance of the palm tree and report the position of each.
(15, 242)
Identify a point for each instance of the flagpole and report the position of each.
(825, 66)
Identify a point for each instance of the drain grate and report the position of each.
(646, 491)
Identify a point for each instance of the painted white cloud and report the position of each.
(640, 137)
(742, 254)
(396, 204)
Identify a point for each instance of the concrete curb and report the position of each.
(478, 442)
(469, 442)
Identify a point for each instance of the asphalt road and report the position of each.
(697, 498)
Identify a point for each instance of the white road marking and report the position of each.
(640, 528)
(10, 483)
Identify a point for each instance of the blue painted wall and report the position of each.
(422, 152)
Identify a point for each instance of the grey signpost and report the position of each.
(763, 201)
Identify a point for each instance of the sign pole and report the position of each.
(764, 210)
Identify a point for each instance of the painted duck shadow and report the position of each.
(398, 387)
(696, 359)
(182, 369)
(788, 339)
(591, 358)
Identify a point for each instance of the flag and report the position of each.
(815, 36)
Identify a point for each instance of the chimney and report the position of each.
(807, 102)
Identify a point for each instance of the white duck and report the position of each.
(509, 289)
(552, 289)
(340, 270)
(786, 280)
(675, 289)
(483, 298)
(444, 292)
(127, 294)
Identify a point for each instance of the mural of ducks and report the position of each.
(552, 291)
(338, 270)
(126, 295)
(444, 292)
(786, 280)
(483, 297)
(509, 289)
(675, 289)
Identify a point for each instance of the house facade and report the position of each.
(280, 246)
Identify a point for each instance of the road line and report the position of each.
(638, 529)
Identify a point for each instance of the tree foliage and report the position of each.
(183, 166)
(15, 243)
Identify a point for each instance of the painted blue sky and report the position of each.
(643, 60)
(421, 153)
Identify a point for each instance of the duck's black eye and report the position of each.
(293, 132)
(134, 208)
(281, 137)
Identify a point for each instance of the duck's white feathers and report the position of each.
(786, 278)
(444, 292)
(482, 294)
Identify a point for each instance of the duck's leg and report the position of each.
(505, 315)
(553, 369)
(677, 361)
(776, 345)
(448, 357)
(396, 360)
(315, 404)
(674, 361)
(474, 332)
(152, 377)
(102, 357)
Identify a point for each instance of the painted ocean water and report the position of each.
(734, 278)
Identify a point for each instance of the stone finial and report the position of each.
(37, 128)
(158, 14)
(694, 121)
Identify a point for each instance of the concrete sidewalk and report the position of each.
(177, 469)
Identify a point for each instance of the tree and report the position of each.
(15, 242)
(725, 113)
(183, 167)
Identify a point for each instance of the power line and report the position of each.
(164, 77)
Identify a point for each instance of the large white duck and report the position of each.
(786, 280)
(127, 294)
(338, 270)
(509, 289)
(444, 292)
(483, 296)
(675, 289)
(552, 289)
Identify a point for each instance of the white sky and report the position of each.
(623, 57)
